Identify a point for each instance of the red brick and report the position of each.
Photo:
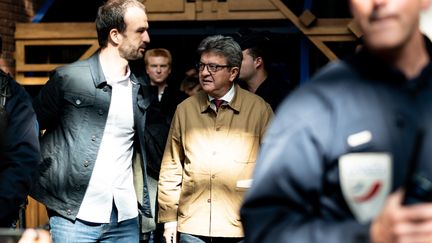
(12, 11)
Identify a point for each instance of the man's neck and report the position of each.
(411, 58)
(161, 86)
(112, 63)
(256, 81)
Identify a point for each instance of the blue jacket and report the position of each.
(296, 195)
(73, 108)
(19, 154)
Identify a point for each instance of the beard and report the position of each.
(129, 52)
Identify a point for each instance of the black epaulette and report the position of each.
(5, 93)
(4, 88)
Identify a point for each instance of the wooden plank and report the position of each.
(324, 49)
(31, 80)
(25, 31)
(331, 29)
(57, 42)
(335, 38)
(158, 6)
(288, 14)
(43, 67)
(248, 5)
(262, 15)
(188, 14)
(19, 53)
(93, 48)
(36, 215)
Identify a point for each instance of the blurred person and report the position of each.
(211, 149)
(19, 148)
(335, 159)
(190, 85)
(94, 114)
(254, 72)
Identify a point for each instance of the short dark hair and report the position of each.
(257, 43)
(111, 16)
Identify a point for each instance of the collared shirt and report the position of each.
(226, 98)
(207, 157)
(112, 176)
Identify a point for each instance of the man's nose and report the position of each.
(379, 2)
(146, 37)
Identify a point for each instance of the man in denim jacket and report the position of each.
(94, 114)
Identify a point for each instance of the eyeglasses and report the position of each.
(211, 67)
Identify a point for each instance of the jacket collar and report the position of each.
(235, 103)
(99, 77)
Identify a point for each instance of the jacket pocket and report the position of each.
(79, 100)
(76, 109)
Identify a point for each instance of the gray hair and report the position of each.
(222, 45)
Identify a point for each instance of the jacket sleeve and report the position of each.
(47, 104)
(284, 202)
(19, 154)
(170, 177)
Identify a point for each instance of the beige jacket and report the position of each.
(207, 157)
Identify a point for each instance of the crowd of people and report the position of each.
(120, 153)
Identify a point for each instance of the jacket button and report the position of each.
(105, 89)
(209, 200)
(78, 101)
(100, 112)
(213, 176)
(69, 212)
(93, 138)
(86, 163)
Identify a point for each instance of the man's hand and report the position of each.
(398, 223)
(170, 232)
(35, 236)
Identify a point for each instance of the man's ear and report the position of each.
(259, 62)
(234, 73)
(115, 36)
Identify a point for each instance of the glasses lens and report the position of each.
(212, 67)
(199, 66)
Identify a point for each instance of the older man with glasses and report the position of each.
(211, 150)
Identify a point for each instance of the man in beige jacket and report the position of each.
(211, 150)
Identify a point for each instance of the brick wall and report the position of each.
(11, 12)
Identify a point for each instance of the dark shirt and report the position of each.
(171, 97)
(273, 90)
(159, 117)
(296, 195)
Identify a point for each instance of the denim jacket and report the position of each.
(73, 108)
